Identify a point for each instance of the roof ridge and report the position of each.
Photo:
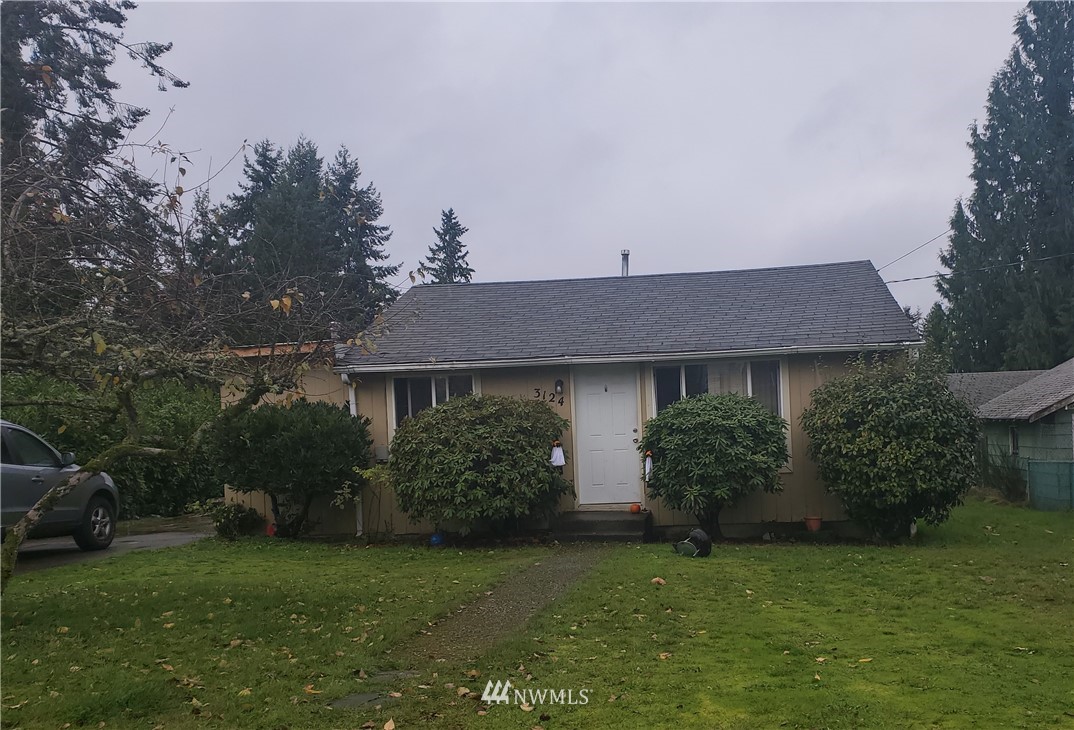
(791, 267)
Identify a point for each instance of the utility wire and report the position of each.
(983, 268)
(926, 243)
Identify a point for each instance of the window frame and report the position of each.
(682, 380)
(781, 385)
(1012, 441)
(18, 459)
(393, 416)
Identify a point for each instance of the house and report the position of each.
(609, 353)
(1027, 424)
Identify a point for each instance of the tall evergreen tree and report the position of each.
(293, 218)
(446, 263)
(1011, 253)
(936, 331)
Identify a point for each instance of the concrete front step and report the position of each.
(599, 536)
(611, 525)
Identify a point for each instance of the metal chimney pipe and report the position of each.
(626, 261)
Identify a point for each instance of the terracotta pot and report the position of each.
(813, 523)
(635, 508)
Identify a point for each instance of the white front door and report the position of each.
(606, 408)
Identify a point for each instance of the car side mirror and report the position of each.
(67, 458)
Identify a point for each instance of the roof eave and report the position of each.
(627, 358)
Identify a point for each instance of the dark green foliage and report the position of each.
(294, 453)
(709, 451)
(447, 257)
(170, 413)
(297, 220)
(1019, 313)
(937, 331)
(893, 443)
(233, 521)
(478, 459)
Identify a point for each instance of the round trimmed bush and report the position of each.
(294, 453)
(475, 459)
(709, 451)
(893, 443)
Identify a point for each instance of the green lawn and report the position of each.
(970, 627)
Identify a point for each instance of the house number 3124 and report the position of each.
(546, 396)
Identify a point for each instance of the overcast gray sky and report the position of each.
(699, 136)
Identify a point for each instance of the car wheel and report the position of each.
(98, 525)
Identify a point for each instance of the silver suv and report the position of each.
(29, 467)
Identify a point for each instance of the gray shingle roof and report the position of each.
(979, 388)
(1035, 398)
(839, 305)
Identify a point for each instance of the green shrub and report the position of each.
(709, 451)
(893, 443)
(233, 520)
(478, 459)
(294, 453)
(169, 412)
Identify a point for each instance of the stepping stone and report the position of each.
(360, 699)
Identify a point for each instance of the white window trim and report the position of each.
(389, 392)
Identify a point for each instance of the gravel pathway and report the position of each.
(472, 630)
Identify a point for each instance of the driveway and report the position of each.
(56, 551)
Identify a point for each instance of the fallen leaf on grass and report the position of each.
(308, 689)
(369, 725)
(658, 581)
(526, 708)
(390, 725)
(167, 667)
(816, 676)
(395, 694)
(865, 660)
(821, 659)
(462, 691)
(473, 673)
(168, 626)
(245, 692)
(665, 655)
(62, 630)
(233, 643)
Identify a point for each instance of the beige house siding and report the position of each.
(803, 494)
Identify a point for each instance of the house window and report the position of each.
(414, 395)
(679, 381)
(764, 384)
(1014, 440)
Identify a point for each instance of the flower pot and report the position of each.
(813, 523)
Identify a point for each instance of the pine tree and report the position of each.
(446, 263)
(296, 219)
(1011, 253)
(936, 331)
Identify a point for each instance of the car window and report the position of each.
(29, 450)
(5, 453)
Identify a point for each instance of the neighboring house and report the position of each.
(1027, 423)
(609, 353)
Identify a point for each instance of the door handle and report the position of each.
(635, 441)
(37, 479)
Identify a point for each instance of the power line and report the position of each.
(926, 243)
(983, 268)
